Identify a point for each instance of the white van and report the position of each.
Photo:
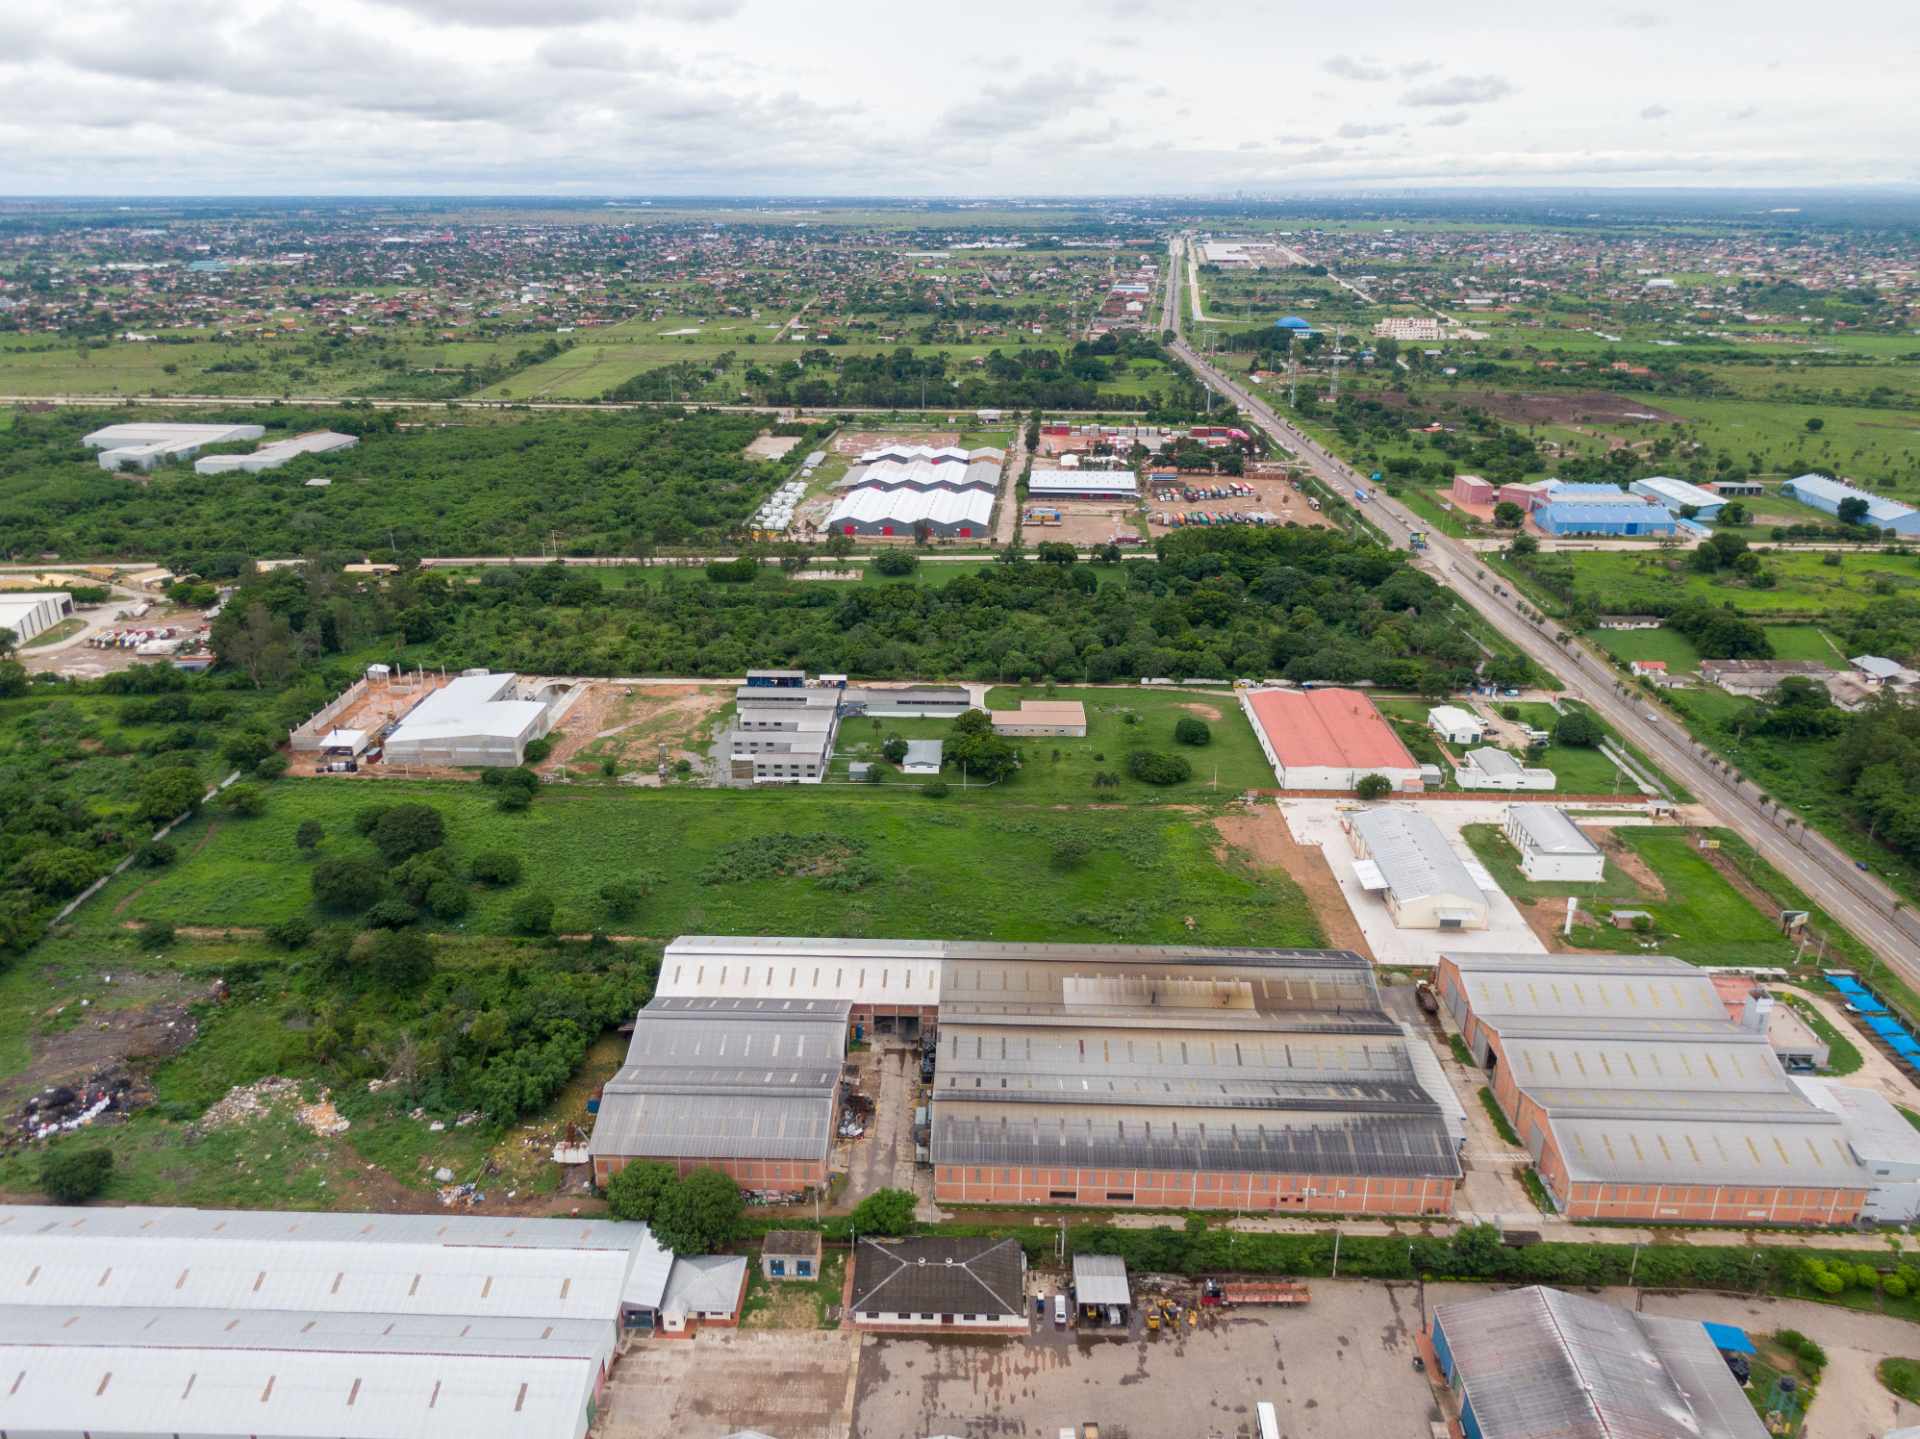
(1059, 1311)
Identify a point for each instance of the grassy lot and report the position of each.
(1790, 642)
(894, 864)
(1580, 769)
(1806, 585)
(1492, 848)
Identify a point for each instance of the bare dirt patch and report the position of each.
(1559, 407)
(1261, 833)
(772, 447)
(858, 442)
(788, 1307)
(1628, 860)
(1545, 917)
(1083, 522)
(1273, 494)
(1206, 712)
(632, 724)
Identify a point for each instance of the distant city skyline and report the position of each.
(664, 97)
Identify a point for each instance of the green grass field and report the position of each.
(1805, 584)
(939, 868)
(1790, 642)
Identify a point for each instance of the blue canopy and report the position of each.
(1729, 1338)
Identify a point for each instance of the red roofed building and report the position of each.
(1327, 739)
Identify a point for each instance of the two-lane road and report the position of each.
(1859, 901)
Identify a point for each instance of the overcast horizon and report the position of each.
(1102, 98)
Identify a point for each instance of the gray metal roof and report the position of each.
(44, 1222)
(1407, 1145)
(1806, 1153)
(1878, 1132)
(1549, 830)
(1414, 856)
(706, 1284)
(1536, 1363)
(660, 1125)
(1513, 992)
(939, 1276)
(1433, 1079)
(1100, 1279)
(924, 751)
(1730, 1062)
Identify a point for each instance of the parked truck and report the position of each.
(1225, 1293)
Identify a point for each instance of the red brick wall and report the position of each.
(794, 1174)
(1713, 1204)
(1187, 1189)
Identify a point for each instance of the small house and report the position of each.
(790, 1254)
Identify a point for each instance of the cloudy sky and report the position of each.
(992, 97)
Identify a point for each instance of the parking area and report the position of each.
(1082, 522)
(1343, 1365)
(1254, 493)
(790, 1383)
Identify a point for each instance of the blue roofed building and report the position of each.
(1604, 517)
(1827, 495)
(1294, 323)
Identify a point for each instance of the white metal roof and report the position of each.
(1100, 1279)
(1433, 1079)
(1452, 717)
(1880, 510)
(1414, 856)
(1548, 830)
(706, 1284)
(1878, 1132)
(1082, 482)
(1634, 1149)
(269, 457)
(470, 705)
(1493, 761)
(1677, 492)
(925, 475)
(150, 432)
(909, 507)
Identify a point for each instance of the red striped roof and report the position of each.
(1333, 728)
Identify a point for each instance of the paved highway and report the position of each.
(1859, 901)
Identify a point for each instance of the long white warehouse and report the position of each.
(30, 612)
(142, 445)
(477, 719)
(273, 456)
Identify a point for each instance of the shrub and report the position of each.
(935, 789)
(309, 835)
(448, 899)
(621, 897)
(1190, 729)
(73, 1176)
(271, 767)
(244, 800)
(1373, 786)
(511, 800)
(347, 884)
(157, 933)
(1070, 851)
(538, 749)
(533, 913)
(896, 562)
(167, 793)
(496, 867)
(895, 749)
(1577, 728)
(634, 1193)
(391, 913)
(366, 819)
(1152, 767)
(404, 830)
(290, 933)
(156, 854)
(399, 958)
(886, 1212)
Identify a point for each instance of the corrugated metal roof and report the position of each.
(939, 1276)
(872, 505)
(924, 474)
(1414, 856)
(1100, 1279)
(1511, 991)
(1809, 1153)
(1877, 1132)
(1433, 1079)
(1731, 1062)
(1082, 482)
(1549, 829)
(1536, 1363)
(706, 1284)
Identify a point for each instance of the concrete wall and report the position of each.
(1189, 1189)
(1562, 868)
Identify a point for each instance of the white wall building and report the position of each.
(144, 444)
(478, 719)
(1489, 768)
(1552, 847)
(1455, 725)
(1404, 857)
(31, 612)
(1882, 1140)
(273, 456)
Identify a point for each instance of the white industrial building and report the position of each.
(1489, 768)
(137, 1322)
(1886, 1145)
(31, 612)
(142, 445)
(477, 719)
(1083, 485)
(1552, 847)
(782, 734)
(926, 475)
(1679, 494)
(1455, 725)
(273, 456)
(1404, 857)
(948, 513)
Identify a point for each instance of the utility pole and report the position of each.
(1339, 333)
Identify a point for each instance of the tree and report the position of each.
(248, 747)
(1815, 425)
(167, 793)
(1577, 728)
(885, 1212)
(895, 749)
(1070, 851)
(290, 933)
(1152, 767)
(9, 642)
(1055, 552)
(1373, 786)
(13, 676)
(1852, 511)
(404, 830)
(635, 1192)
(245, 801)
(1522, 546)
(896, 562)
(309, 835)
(1190, 729)
(621, 898)
(1508, 515)
(496, 867)
(399, 958)
(699, 1214)
(347, 885)
(533, 913)
(70, 1175)
(447, 899)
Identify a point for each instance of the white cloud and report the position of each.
(528, 14)
(1655, 112)
(1451, 118)
(1460, 90)
(1641, 19)
(1348, 68)
(1355, 131)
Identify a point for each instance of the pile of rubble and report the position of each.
(64, 1107)
(249, 1101)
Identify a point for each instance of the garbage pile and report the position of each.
(62, 1107)
(249, 1101)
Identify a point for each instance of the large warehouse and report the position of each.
(1537, 1363)
(1624, 518)
(1678, 495)
(144, 444)
(1083, 485)
(477, 719)
(273, 456)
(1640, 1099)
(982, 474)
(1132, 1077)
(163, 1322)
(1327, 739)
(1404, 857)
(747, 1086)
(26, 613)
(1116, 1075)
(1826, 494)
(946, 513)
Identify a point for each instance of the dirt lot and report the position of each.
(1083, 522)
(772, 447)
(1561, 407)
(1272, 494)
(126, 1024)
(1342, 1367)
(629, 724)
(792, 1383)
(858, 442)
(1262, 833)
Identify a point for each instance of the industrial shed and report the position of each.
(1083, 485)
(1827, 495)
(273, 456)
(1136, 1077)
(746, 1086)
(1327, 739)
(32, 612)
(1490, 768)
(143, 444)
(1552, 847)
(1679, 495)
(1537, 1363)
(1455, 725)
(1641, 1100)
(1058, 719)
(924, 475)
(1404, 857)
(476, 719)
(1882, 1140)
(975, 1285)
(947, 513)
(1624, 518)
(143, 1321)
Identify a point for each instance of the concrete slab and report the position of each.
(792, 1383)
